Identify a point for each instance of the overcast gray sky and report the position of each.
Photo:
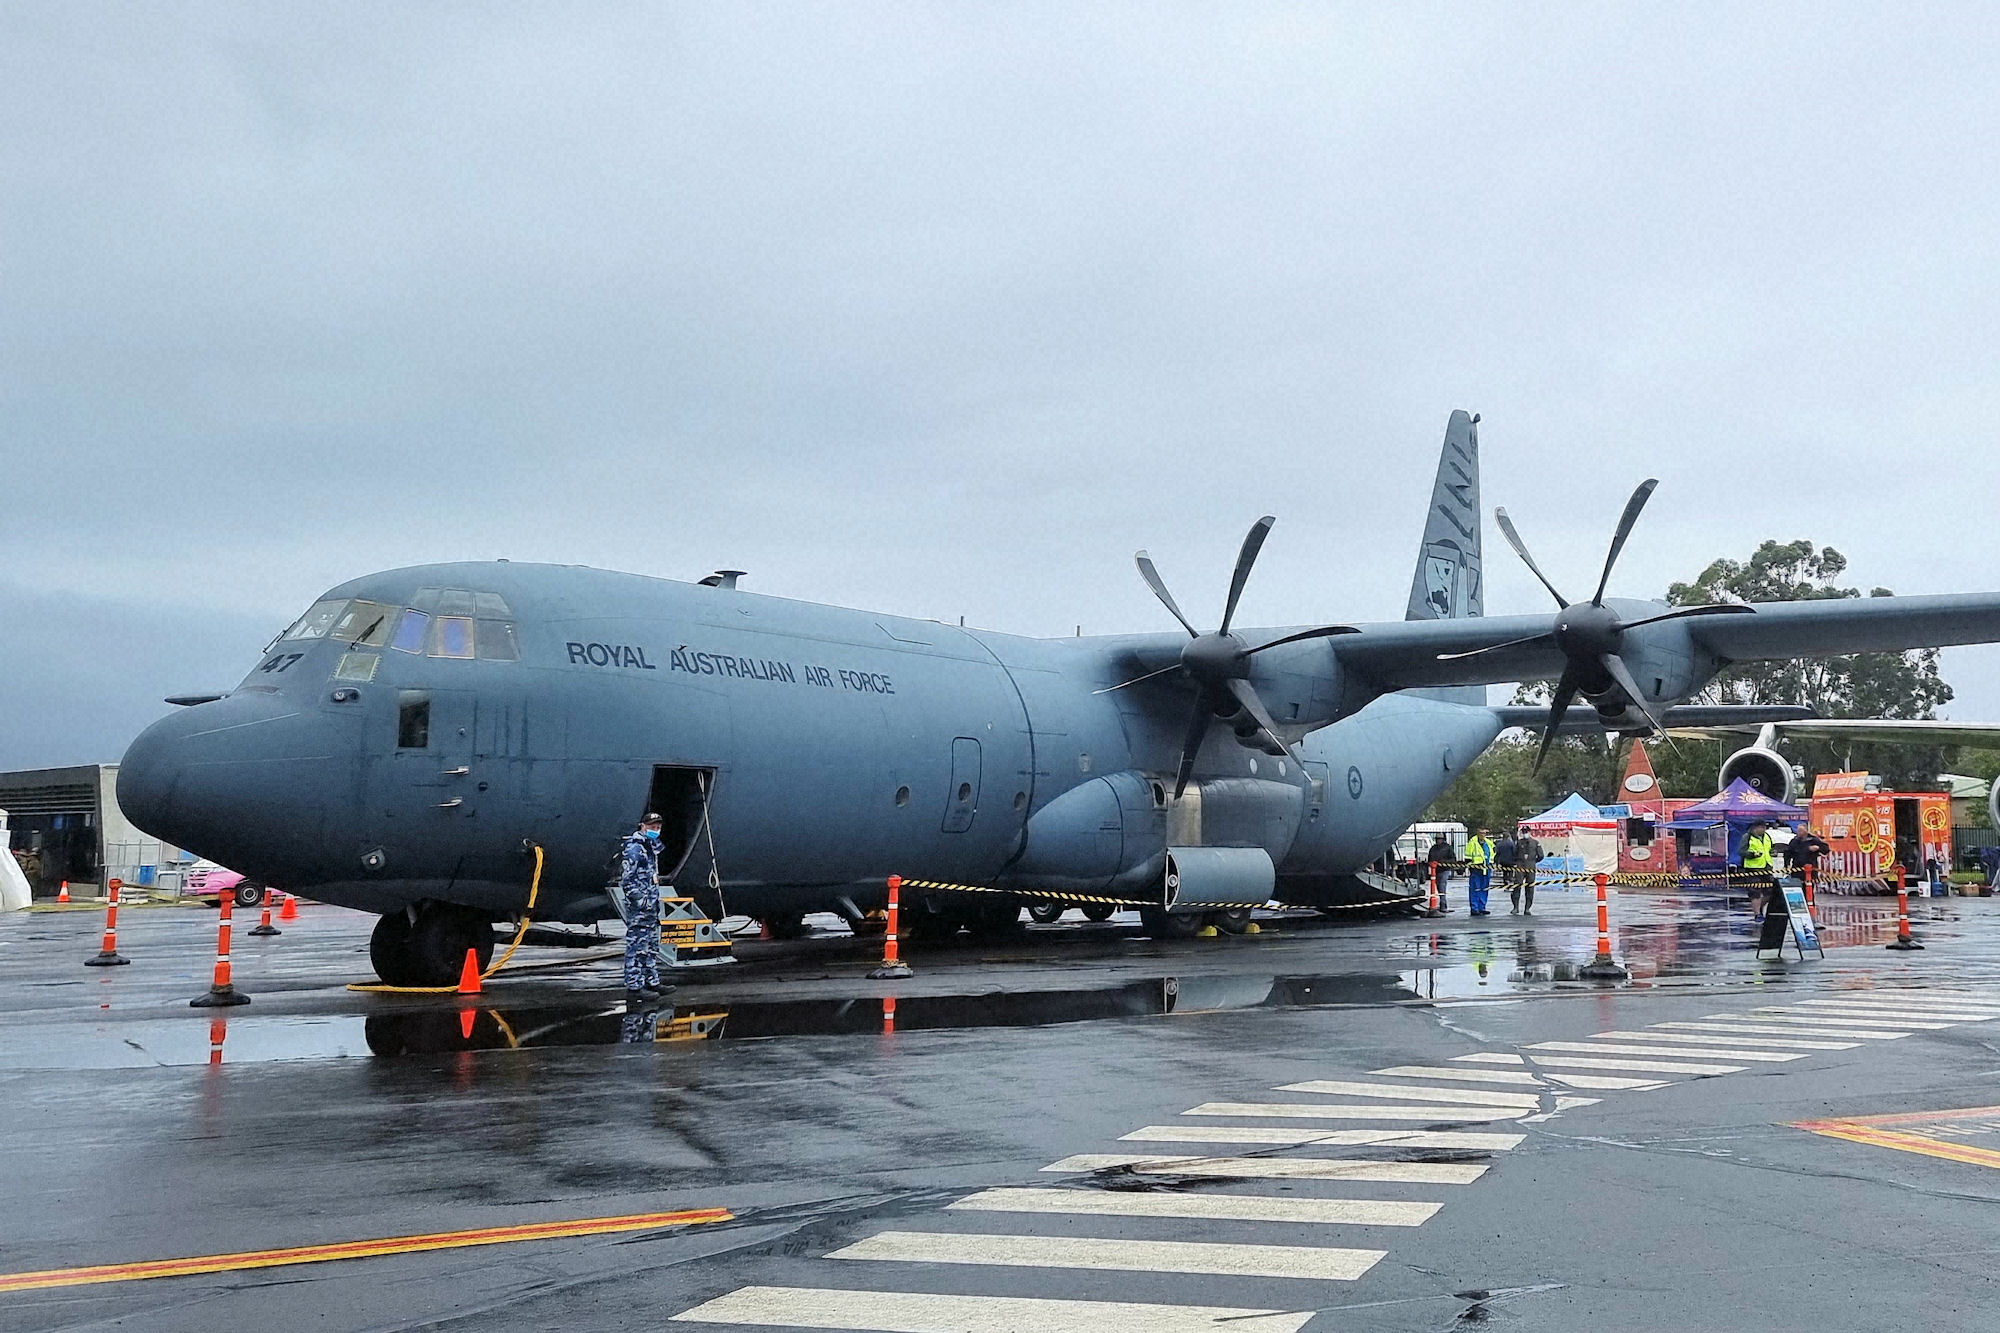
(946, 309)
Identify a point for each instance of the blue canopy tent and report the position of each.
(1710, 833)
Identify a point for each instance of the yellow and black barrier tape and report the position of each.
(1055, 895)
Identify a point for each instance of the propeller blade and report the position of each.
(1495, 647)
(1136, 680)
(1565, 695)
(1246, 694)
(1521, 549)
(1253, 542)
(1615, 664)
(1323, 632)
(1159, 587)
(1191, 747)
(1683, 612)
(1625, 522)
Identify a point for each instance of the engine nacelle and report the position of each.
(1766, 771)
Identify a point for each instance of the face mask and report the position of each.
(650, 834)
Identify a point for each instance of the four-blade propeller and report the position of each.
(1590, 634)
(1219, 661)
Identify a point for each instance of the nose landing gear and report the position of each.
(425, 945)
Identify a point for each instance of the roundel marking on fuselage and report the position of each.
(1354, 781)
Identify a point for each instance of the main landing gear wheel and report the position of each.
(429, 951)
(786, 925)
(995, 917)
(1232, 921)
(1046, 914)
(1164, 925)
(1099, 911)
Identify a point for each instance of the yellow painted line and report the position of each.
(355, 1249)
(1916, 1143)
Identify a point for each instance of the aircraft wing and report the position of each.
(1699, 721)
(1407, 654)
(1890, 731)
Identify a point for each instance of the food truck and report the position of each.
(1870, 829)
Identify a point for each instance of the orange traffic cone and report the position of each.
(290, 911)
(468, 976)
(62, 894)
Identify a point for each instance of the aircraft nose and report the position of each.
(209, 778)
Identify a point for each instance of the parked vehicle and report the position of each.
(209, 881)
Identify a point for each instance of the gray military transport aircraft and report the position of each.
(401, 747)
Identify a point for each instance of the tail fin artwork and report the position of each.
(1449, 584)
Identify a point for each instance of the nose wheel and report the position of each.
(425, 945)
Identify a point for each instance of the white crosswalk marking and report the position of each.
(1313, 1263)
(1606, 1083)
(1696, 1038)
(1714, 1053)
(1491, 1058)
(1922, 998)
(1864, 1008)
(1788, 1026)
(1463, 1096)
(1333, 1111)
(1286, 1136)
(1215, 1207)
(1852, 1018)
(911, 1312)
(1280, 1168)
(1695, 1031)
(1635, 1066)
(1462, 1075)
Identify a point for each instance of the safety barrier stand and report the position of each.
(893, 967)
(221, 994)
(1806, 873)
(1603, 967)
(1433, 909)
(264, 926)
(108, 956)
(1904, 940)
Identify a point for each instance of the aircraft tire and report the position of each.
(786, 925)
(389, 950)
(1164, 925)
(996, 918)
(438, 942)
(1232, 921)
(1046, 913)
(1099, 911)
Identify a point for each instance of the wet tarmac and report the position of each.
(885, 1148)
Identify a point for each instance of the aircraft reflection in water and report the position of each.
(401, 745)
(435, 1032)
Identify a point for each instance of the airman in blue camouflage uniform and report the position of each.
(638, 880)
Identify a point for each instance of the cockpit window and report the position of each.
(411, 631)
(451, 636)
(315, 623)
(454, 602)
(491, 605)
(496, 642)
(365, 624)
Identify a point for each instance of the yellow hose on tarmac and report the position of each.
(534, 887)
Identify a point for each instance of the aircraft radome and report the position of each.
(400, 747)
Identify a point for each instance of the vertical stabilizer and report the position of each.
(1448, 584)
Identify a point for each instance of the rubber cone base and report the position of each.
(219, 997)
(107, 960)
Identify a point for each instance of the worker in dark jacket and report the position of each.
(1440, 858)
(639, 883)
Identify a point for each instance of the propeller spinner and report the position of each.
(1219, 661)
(1590, 634)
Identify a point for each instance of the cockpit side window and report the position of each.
(315, 623)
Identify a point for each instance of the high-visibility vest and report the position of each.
(1756, 851)
(1479, 852)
